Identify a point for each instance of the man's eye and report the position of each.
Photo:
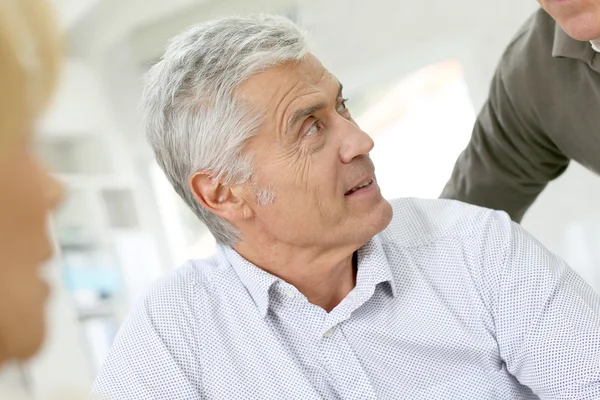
(313, 128)
(342, 107)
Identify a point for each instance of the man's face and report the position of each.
(313, 158)
(580, 19)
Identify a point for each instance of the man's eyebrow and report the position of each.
(302, 113)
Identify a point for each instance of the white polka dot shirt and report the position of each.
(451, 302)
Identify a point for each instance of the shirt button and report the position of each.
(290, 293)
(329, 333)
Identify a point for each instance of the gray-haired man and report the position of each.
(322, 289)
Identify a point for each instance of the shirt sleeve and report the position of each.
(547, 320)
(153, 354)
(509, 159)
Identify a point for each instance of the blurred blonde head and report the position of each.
(29, 58)
(29, 62)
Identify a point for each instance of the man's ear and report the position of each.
(222, 200)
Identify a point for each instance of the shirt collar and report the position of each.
(373, 268)
(566, 46)
(256, 281)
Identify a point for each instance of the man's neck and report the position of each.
(325, 278)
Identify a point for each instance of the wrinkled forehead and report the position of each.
(293, 83)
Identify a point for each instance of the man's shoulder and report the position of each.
(162, 336)
(194, 280)
(529, 50)
(419, 222)
(537, 31)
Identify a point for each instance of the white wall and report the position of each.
(377, 38)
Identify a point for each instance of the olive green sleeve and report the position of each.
(509, 159)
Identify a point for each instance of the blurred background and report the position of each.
(416, 74)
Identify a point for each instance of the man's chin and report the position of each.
(581, 28)
(388, 214)
(381, 217)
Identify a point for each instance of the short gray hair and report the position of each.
(193, 121)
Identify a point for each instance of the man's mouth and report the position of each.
(359, 187)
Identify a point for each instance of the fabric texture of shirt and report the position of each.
(542, 112)
(451, 301)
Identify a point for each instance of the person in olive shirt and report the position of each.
(543, 110)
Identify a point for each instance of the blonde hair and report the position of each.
(29, 63)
